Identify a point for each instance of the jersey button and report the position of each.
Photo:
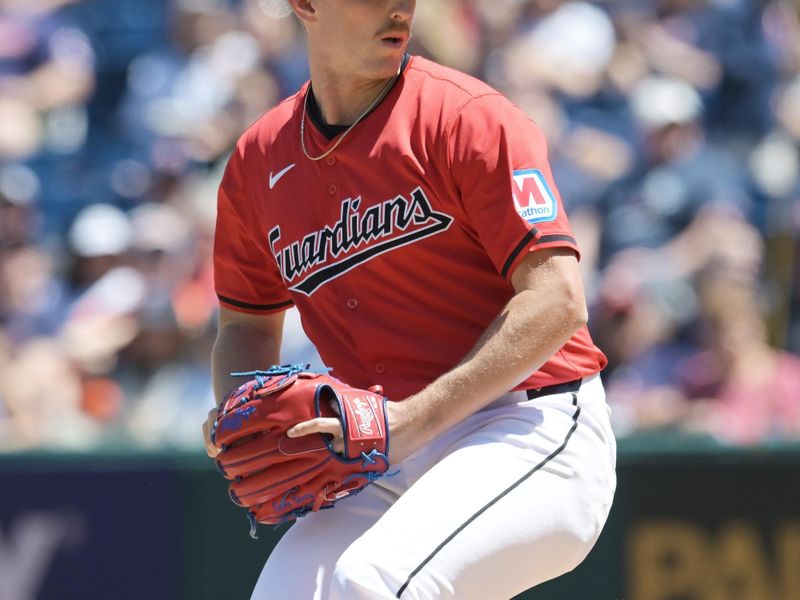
(332, 189)
(331, 160)
(352, 303)
(380, 368)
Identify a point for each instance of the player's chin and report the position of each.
(386, 65)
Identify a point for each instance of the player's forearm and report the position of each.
(525, 334)
(240, 348)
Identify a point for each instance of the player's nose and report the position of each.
(403, 10)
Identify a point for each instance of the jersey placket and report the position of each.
(347, 296)
(331, 176)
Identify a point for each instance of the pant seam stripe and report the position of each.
(502, 494)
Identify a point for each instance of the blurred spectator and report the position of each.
(39, 410)
(46, 75)
(679, 171)
(32, 298)
(19, 191)
(648, 312)
(741, 390)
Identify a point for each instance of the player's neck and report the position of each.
(342, 98)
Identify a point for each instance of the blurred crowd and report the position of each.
(674, 132)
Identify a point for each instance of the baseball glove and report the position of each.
(278, 478)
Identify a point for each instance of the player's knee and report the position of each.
(577, 548)
(357, 577)
(348, 582)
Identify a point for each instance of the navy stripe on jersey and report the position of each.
(249, 306)
(545, 239)
(502, 494)
(520, 247)
(556, 238)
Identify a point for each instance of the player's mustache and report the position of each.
(396, 30)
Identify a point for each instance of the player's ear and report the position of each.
(306, 10)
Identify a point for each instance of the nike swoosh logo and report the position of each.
(273, 179)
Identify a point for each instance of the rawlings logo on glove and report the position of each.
(278, 478)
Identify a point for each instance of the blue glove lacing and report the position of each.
(262, 376)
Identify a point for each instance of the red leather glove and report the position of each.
(278, 478)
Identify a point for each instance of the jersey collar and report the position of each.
(331, 131)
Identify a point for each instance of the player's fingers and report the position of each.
(211, 450)
(332, 427)
(319, 425)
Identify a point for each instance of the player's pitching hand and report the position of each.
(330, 426)
(398, 422)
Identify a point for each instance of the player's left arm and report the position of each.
(548, 307)
(546, 310)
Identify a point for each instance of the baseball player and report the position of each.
(408, 211)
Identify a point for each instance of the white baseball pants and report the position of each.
(514, 496)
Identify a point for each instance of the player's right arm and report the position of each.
(250, 288)
(245, 342)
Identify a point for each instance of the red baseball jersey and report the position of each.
(398, 247)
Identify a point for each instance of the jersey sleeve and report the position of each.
(246, 276)
(498, 159)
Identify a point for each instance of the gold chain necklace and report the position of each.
(381, 95)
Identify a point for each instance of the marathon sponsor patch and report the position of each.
(533, 198)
